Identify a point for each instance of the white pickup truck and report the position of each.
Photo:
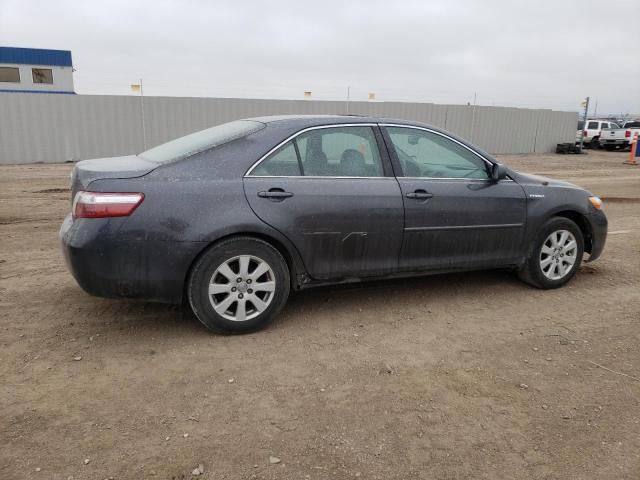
(591, 131)
(612, 138)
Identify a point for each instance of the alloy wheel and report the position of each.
(242, 288)
(558, 254)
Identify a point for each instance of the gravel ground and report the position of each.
(445, 377)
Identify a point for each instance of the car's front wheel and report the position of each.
(555, 256)
(238, 285)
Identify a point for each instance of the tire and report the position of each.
(595, 143)
(543, 269)
(231, 270)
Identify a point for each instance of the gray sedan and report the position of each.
(232, 218)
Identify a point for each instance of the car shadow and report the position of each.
(401, 290)
(170, 320)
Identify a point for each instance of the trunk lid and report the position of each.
(86, 171)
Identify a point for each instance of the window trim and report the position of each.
(389, 154)
(33, 79)
(19, 75)
(397, 165)
(317, 127)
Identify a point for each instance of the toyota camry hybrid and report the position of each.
(232, 218)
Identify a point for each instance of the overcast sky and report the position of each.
(548, 54)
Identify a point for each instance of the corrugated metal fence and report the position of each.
(57, 128)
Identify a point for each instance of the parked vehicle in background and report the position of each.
(591, 132)
(612, 138)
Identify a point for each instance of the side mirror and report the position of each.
(498, 172)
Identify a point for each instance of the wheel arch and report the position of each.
(579, 219)
(297, 271)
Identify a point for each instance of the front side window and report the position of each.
(326, 152)
(427, 154)
(42, 75)
(9, 75)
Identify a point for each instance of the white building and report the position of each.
(34, 70)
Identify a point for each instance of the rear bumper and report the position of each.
(598, 225)
(106, 267)
(615, 141)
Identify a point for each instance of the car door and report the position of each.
(455, 215)
(593, 130)
(332, 192)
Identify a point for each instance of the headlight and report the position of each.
(596, 202)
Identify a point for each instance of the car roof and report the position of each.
(304, 121)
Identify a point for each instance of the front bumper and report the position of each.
(598, 226)
(104, 266)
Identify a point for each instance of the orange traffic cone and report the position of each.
(634, 154)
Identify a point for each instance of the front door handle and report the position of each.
(275, 194)
(420, 195)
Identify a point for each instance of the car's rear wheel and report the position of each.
(555, 256)
(238, 285)
(595, 143)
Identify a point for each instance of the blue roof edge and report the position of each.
(36, 56)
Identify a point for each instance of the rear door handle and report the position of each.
(275, 194)
(420, 195)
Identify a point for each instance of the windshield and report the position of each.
(200, 141)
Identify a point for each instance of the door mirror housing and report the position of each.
(498, 172)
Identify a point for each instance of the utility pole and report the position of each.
(584, 120)
(473, 114)
(348, 98)
(144, 128)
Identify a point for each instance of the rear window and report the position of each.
(632, 125)
(580, 124)
(200, 141)
(592, 125)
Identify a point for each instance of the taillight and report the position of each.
(584, 133)
(627, 134)
(101, 205)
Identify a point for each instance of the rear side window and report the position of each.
(200, 141)
(592, 125)
(326, 152)
(282, 163)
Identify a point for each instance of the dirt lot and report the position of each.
(445, 377)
